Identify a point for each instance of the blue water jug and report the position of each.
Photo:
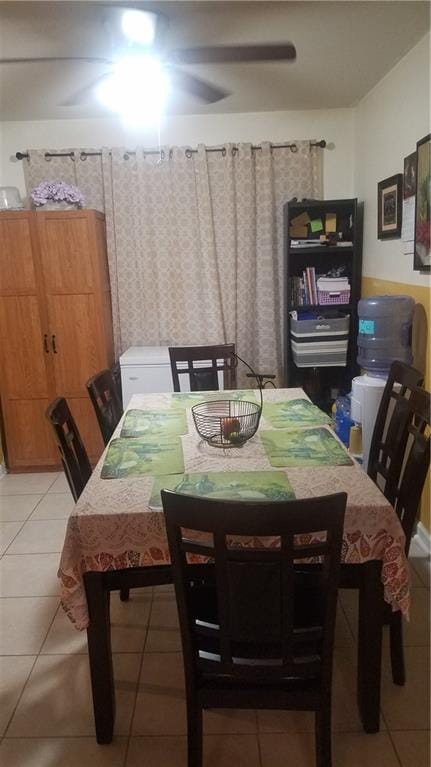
(385, 332)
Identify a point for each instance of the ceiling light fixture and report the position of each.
(139, 26)
(137, 89)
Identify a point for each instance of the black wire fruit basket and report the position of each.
(227, 422)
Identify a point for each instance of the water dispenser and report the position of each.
(385, 331)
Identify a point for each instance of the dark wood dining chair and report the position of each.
(390, 430)
(407, 498)
(106, 402)
(203, 377)
(74, 458)
(256, 632)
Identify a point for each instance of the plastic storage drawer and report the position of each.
(320, 342)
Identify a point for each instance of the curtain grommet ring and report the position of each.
(48, 157)
(234, 151)
(162, 154)
(293, 148)
(223, 152)
(82, 156)
(126, 156)
(189, 153)
(171, 153)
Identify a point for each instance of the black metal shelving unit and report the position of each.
(320, 382)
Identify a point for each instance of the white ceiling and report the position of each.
(343, 49)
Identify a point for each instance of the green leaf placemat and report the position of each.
(141, 456)
(232, 485)
(154, 423)
(295, 412)
(188, 399)
(304, 447)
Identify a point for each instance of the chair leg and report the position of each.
(323, 735)
(194, 734)
(397, 650)
(124, 594)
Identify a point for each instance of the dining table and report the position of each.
(116, 539)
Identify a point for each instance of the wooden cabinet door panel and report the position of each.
(16, 258)
(85, 418)
(78, 353)
(28, 434)
(21, 348)
(66, 252)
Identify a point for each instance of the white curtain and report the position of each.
(195, 239)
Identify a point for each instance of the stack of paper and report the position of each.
(306, 243)
(333, 284)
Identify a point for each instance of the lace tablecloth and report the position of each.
(112, 527)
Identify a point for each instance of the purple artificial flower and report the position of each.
(59, 191)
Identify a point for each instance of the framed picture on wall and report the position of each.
(389, 207)
(422, 257)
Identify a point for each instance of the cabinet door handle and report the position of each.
(45, 343)
(54, 348)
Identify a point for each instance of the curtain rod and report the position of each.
(83, 155)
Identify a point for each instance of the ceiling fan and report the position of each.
(141, 34)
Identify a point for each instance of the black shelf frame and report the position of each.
(318, 381)
(328, 249)
(342, 307)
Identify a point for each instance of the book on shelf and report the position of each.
(304, 291)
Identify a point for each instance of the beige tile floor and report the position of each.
(45, 702)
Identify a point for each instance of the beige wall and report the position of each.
(388, 122)
(335, 125)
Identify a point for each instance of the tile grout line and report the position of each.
(31, 554)
(37, 655)
(397, 756)
(11, 542)
(259, 745)
(129, 736)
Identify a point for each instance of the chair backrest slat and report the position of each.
(74, 458)
(106, 402)
(255, 631)
(203, 377)
(288, 599)
(416, 462)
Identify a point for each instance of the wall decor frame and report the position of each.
(389, 207)
(409, 177)
(422, 253)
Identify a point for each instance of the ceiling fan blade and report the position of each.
(196, 86)
(80, 96)
(220, 54)
(88, 59)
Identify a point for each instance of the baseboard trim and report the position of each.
(423, 537)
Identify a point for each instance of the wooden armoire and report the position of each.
(55, 328)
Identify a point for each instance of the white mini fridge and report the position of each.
(147, 369)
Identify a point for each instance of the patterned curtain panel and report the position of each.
(195, 239)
